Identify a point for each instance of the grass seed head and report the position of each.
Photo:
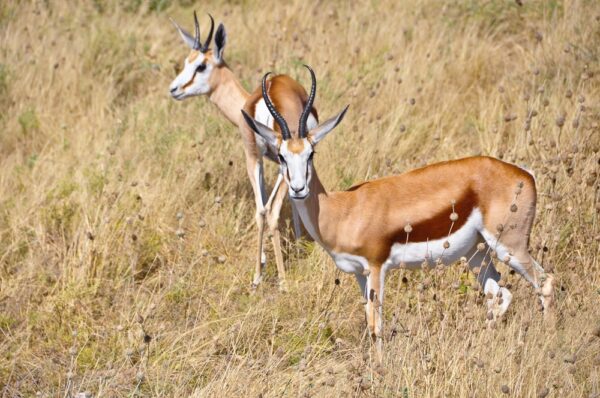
(543, 393)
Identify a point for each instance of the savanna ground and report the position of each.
(126, 219)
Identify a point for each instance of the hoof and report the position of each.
(256, 282)
(283, 288)
(497, 306)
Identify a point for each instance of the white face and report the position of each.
(295, 154)
(295, 157)
(194, 79)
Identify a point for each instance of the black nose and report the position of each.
(173, 89)
(297, 189)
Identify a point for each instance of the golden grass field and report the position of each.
(127, 233)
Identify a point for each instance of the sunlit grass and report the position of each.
(127, 219)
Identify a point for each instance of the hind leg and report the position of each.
(515, 254)
(498, 298)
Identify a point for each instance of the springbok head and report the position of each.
(295, 153)
(196, 78)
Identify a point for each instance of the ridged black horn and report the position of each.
(210, 34)
(285, 131)
(197, 45)
(302, 131)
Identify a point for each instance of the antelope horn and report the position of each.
(302, 131)
(285, 131)
(197, 44)
(210, 34)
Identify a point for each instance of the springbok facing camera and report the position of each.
(206, 73)
(440, 212)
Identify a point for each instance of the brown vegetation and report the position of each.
(126, 218)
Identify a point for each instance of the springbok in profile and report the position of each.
(206, 73)
(441, 212)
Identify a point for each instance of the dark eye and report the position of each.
(201, 68)
(281, 159)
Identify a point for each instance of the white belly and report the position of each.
(461, 242)
(413, 254)
(350, 263)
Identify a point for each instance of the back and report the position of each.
(289, 98)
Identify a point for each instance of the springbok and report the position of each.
(441, 212)
(206, 73)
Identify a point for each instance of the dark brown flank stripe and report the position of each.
(432, 228)
(438, 226)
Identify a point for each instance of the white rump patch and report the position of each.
(262, 114)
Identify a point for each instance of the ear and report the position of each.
(318, 133)
(185, 36)
(220, 41)
(263, 131)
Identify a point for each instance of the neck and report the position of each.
(311, 207)
(229, 95)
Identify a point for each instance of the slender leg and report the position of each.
(278, 182)
(273, 211)
(519, 259)
(255, 172)
(512, 243)
(374, 307)
(498, 298)
(362, 284)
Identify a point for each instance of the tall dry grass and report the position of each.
(126, 218)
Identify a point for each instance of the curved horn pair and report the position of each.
(197, 43)
(285, 131)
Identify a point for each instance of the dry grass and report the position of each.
(99, 169)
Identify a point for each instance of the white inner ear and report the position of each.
(218, 54)
(219, 50)
(318, 133)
